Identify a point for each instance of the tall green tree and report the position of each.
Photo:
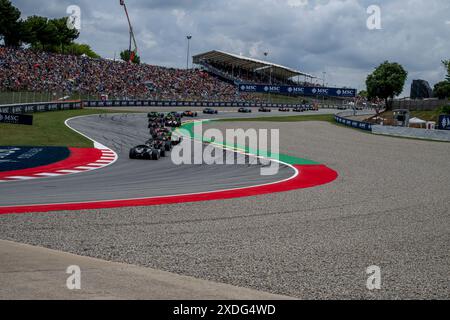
(387, 81)
(363, 93)
(39, 33)
(52, 35)
(10, 24)
(80, 49)
(442, 90)
(63, 36)
(125, 56)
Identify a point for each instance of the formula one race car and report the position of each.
(310, 107)
(245, 110)
(155, 115)
(172, 123)
(166, 135)
(160, 132)
(210, 111)
(264, 109)
(175, 114)
(145, 152)
(191, 114)
(284, 109)
(299, 109)
(162, 144)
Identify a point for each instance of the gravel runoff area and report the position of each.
(389, 207)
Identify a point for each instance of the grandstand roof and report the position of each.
(248, 63)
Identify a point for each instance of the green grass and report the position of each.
(298, 118)
(48, 129)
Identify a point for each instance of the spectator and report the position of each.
(26, 70)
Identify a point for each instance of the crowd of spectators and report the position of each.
(27, 70)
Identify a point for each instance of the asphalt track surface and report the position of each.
(131, 179)
(389, 207)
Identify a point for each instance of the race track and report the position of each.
(389, 208)
(132, 179)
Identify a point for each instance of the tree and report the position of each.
(363, 93)
(10, 25)
(52, 35)
(387, 81)
(442, 90)
(125, 56)
(64, 36)
(80, 49)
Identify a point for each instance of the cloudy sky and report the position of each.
(313, 36)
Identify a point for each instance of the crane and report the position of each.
(132, 38)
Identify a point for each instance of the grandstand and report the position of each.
(31, 73)
(237, 69)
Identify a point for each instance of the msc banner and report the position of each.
(39, 107)
(300, 91)
(444, 122)
(16, 119)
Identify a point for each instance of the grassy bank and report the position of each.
(48, 129)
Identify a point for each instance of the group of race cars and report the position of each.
(302, 108)
(161, 127)
(161, 140)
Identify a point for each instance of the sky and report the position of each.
(313, 36)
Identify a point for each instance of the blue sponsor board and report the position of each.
(354, 124)
(297, 90)
(444, 122)
(12, 118)
(39, 107)
(19, 158)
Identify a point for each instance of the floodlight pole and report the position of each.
(270, 78)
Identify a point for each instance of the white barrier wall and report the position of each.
(437, 135)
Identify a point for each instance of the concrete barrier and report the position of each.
(435, 135)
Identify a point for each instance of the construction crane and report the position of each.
(132, 38)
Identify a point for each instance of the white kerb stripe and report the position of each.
(69, 171)
(21, 178)
(48, 174)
